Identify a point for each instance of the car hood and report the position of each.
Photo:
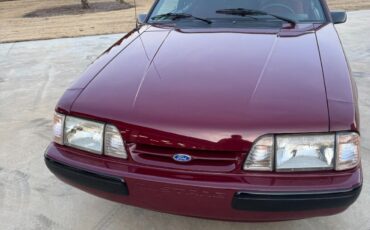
(213, 90)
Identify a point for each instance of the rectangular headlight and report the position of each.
(84, 134)
(305, 152)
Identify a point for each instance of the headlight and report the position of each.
(91, 136)
(84, 134)
(304, 152)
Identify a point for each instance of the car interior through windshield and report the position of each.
(297, 11)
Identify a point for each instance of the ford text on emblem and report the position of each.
(180, 157)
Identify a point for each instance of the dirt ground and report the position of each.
(15, 27)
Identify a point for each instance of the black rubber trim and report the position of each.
(88, 179)
(280, 202)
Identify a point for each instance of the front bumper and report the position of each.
(282, 202)
(254, 197)
(87, 179)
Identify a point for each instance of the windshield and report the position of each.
(252, 11)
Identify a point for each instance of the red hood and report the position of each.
(210, 90)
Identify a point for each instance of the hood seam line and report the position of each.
(267, 62)
(324, 81)
(101, 70)
(146, 71)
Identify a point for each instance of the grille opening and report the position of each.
(202, 160)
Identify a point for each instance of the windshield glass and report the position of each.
(253, 11)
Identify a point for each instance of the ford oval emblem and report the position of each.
(181, 157)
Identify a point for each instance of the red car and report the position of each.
(235, 110)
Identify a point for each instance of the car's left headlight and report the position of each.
(304, 152)
(91, 136)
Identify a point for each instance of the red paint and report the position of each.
(202, 194)
(211, 93)
(248, 91)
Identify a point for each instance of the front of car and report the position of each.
(234, 110)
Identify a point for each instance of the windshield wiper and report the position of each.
(175, 16)
(248, 12)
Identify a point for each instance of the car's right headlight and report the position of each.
(92, 136)
(305, 152)
(84, 134)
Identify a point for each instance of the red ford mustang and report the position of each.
(236, 110)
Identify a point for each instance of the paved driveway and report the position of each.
(33, 75)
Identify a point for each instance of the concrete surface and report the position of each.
(33, 75)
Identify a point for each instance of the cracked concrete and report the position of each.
(33, 75)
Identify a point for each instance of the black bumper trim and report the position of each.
(92, 180)
(280, 202)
